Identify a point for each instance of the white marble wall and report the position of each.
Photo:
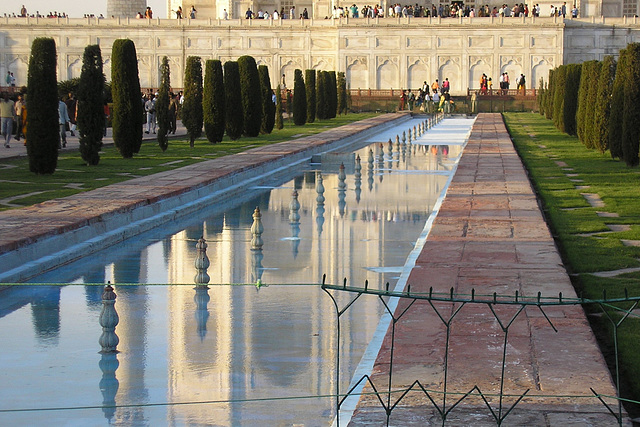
(384, 54)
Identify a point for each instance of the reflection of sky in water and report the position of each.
(232, 342)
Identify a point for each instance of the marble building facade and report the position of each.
(378, 54)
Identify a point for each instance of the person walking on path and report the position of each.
(63, 119)
(7, 113)
(150, 108)
(19, 105)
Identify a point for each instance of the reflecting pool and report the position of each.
(259, 346)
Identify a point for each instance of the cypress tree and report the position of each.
(251, 95)
(321, 92)
(213, 101)
(268, 107)
(342, 93)
(617, 107)
(602, 104)
(192, 107)
(279, 122)
(592, 93)
(540, 96)
(233, 102)
(42, 94)
(558, 97)
(333, 94)
(162, 104)
(550, 95)
(585, 77)
(299, 99)
(631, 113)
(90, 107)
(570, 103)
(310, 85)
(126, 117)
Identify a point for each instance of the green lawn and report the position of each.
(23, 188)
(561, 168)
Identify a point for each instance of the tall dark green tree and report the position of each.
(550, 95)
(299, 99)
(586, 77)
(540, 96)
(162, 105)
(558, 97)
(631, 113)
(310, 85)
(192, 106)
(279, 122)
(570, 103)
(213, 101)
(617, 106)
(343, 95)
(42, 97)
(592, 94)
(250, 90)
(126, 116)
(321, 96)
(333, 94)
(602, 104)
(233, 102)
(90, 109)
(268, 106)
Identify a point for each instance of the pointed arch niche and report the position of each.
(417, 73)
(387, 75)
(357, 74)
(477, 67)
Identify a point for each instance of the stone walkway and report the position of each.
(490, 236)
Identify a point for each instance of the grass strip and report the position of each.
(21, 188)
(591, 239)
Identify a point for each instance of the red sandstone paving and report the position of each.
(491, 237)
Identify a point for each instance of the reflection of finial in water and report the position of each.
(358, 167)
(109, 320)
(109, 384)
(319, 188)
(404, 137)
(320, 218)
(295, 240)
(408, 139)
(201, 299)
(256, 230)
(294, 208)
(370, 179)
(342, 176)
(370, 158)
(256, 267)
(201, 263)
(341, 202)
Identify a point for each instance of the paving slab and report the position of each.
(490, 236)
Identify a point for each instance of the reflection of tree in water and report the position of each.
(93, 294)
(45, 312)
(281, 342)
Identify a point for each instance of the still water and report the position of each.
(237, 353)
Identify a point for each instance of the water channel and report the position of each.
(259, 346)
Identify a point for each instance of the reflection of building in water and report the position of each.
(263, 343)
(132, 306)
